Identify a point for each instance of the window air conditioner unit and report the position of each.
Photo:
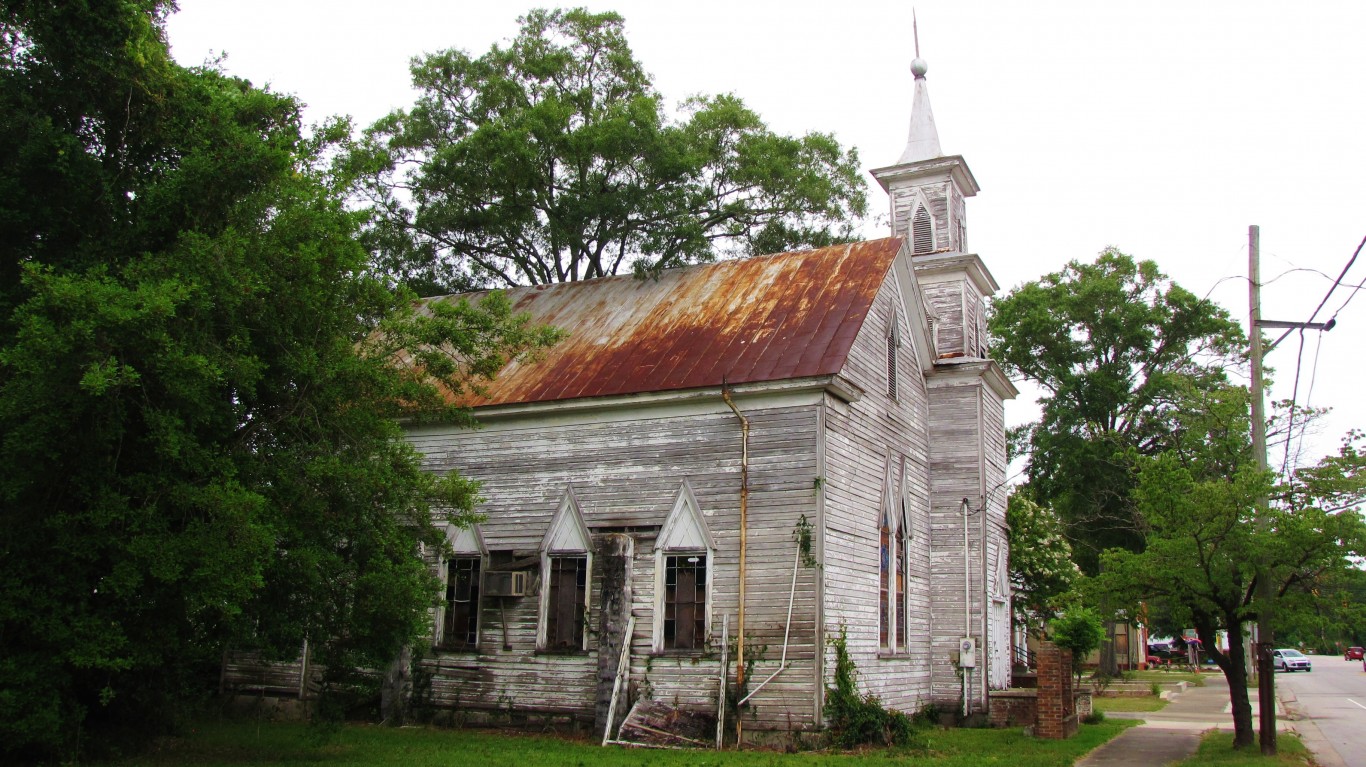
(505, 583)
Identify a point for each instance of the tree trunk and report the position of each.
(1234, 666)
(396, 690)
(1109, 664)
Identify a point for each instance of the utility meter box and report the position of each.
(967, 653)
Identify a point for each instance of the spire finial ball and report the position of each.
(919, 67)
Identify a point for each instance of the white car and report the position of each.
(1290, 660)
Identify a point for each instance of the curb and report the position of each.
(1322, 750)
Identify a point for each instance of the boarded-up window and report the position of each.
(685, 601)
(567, 600)
(922, 231)
(461, 631)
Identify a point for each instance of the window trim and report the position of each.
(684, 532)
(543, 625)
(461, 543)
(892, 618)
(443, 642)
(566, 536)
(700, 643)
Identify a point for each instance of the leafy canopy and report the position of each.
(197, 389)
(553, 159)
(1205, 541)
(1114, 344)
(1042, 573)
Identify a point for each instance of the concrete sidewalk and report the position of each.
(1173, 733)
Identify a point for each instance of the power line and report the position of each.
(1328, 295)
(1294, 395)
(1314, 370)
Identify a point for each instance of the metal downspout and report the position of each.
(967, 610)
(744, 544)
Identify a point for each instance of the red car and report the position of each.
(1355, 653)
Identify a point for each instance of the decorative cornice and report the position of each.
(930, 266)
(952, 166)
(957, 371)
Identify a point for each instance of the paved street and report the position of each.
(1333, 698)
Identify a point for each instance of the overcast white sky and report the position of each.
(1162, 128)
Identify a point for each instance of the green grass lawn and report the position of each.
(1129, 703)
(241, 743)
(1217, 748)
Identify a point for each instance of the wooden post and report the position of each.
(623, 669)
(721, 697)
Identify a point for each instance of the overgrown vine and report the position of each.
(857, 719)
(803, 535)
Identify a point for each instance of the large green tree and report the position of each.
(1205, 542)
(553, 159)
(197, 388)
(1113, 344)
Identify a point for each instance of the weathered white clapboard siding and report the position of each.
(626, 468)
(513, 682)
(955, 474)
(974, 344)
(958, 234)
(945, 300)
(861, 438)
(248, 672)
(938, 202)
(996, 465)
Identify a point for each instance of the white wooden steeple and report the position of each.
(926, 187)
(927, 191)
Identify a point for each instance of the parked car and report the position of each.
(1290, 660)
(1355, 653)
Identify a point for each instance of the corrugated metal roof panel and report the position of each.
(790, 315)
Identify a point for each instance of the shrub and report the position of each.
(1079, 630)
(857, 719)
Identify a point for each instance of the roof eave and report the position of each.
(837, 385)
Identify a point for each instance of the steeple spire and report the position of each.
(922, 143)
(927, 188)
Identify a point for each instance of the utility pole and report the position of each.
(1266, 676)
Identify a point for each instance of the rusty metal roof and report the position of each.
(767, 318)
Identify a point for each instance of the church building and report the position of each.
(723, 472)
